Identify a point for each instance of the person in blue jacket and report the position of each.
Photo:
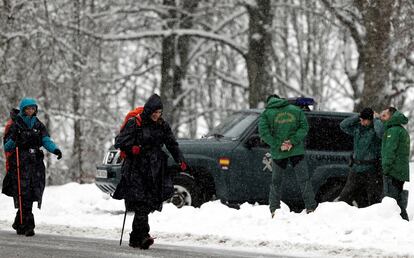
(25, 178)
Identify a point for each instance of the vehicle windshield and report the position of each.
(234, 125)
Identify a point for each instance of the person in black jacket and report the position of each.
(145, 183)
(25, 178)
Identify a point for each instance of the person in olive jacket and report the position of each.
(25, 178)
(365, 173)
(284, 127)
(145, 183)
(395, 152)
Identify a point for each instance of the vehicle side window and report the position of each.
(326, 135)
(260, 143)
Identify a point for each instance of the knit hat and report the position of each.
(367, 114)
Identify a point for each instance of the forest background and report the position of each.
(87, 62)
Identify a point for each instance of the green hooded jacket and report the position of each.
(281, 121)
(367, 142)
(395, 149)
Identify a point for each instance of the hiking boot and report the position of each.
(20, 229)
(273, 214)
(147, 242)
(29, 233)
(134, 242)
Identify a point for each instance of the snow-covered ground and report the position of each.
(334, 229)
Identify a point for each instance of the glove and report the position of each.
(135, 150)
(183, 166)
(58, 153)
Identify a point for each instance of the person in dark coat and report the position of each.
(23, 140)
(145, 183)
(365, 171)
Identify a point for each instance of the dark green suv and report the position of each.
(232, 164)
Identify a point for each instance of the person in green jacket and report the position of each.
(365, 172)
(395, 152)
(284, 127)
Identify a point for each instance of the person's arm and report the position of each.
(378, 128)
(171, 144)
(348, 125)
(302, 131)
(389, 149)
(9, 143)
(48, 143)
(128, 136)
(264, 129)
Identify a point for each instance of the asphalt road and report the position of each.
(43, 245)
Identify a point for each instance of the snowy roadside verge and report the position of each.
(334, 229)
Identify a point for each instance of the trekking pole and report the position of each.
(18, 186)
(123, 225)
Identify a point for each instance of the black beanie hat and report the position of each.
(367, 114)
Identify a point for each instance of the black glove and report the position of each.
(58, 153)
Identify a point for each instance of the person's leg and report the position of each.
(373, 188)
(29, 218)
(393, 188)
(140, 226)
(19, 227)
(379, 189)
(279, 166)
(399, 185)
(302, 177)
(348, 192)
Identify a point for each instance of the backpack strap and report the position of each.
(138, 119)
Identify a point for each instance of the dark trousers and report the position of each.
(394, 188)
(358, 183)
(302, 178)
(140, 225)
(27, 217)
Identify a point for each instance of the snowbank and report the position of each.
(333, 229)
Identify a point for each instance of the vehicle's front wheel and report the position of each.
(185, 192)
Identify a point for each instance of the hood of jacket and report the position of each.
(277, 103)
(153, 104)
(397, 118)
(26, 102)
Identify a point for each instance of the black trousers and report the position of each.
(358, 183)
(140, 225)
(27, 216)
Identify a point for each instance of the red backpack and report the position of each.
(133, 113)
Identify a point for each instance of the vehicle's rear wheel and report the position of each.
(329, 191)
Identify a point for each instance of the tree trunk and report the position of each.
(377, 64)
(174, 60)
(77, 165)
(258, 61)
